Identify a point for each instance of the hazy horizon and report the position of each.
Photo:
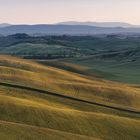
(59, 22)
(54, 11)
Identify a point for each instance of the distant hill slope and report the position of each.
(2, 25)
(99, 24)
(74, 46)
(58, 104)
(65, 29)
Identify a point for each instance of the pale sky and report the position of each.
(52, 11)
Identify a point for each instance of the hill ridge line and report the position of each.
(68, 97)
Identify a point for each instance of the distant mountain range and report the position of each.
(4, 25)
(71, 28)
(100, 24)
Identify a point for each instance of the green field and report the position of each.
(121, 71)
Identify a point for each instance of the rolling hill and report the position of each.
(54, 103)
(112, 57)
(122, 71)
(51, 29)
(99, 24)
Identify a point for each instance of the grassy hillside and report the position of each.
(112, 57)
(18, 71)
(30, 50)
(72, 46)
(118, 69)
(79, 69)
(28, 132)
(58, 104)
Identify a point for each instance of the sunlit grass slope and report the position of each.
(28, 73)
(27, 132)
(56, 113)
(57, 104)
